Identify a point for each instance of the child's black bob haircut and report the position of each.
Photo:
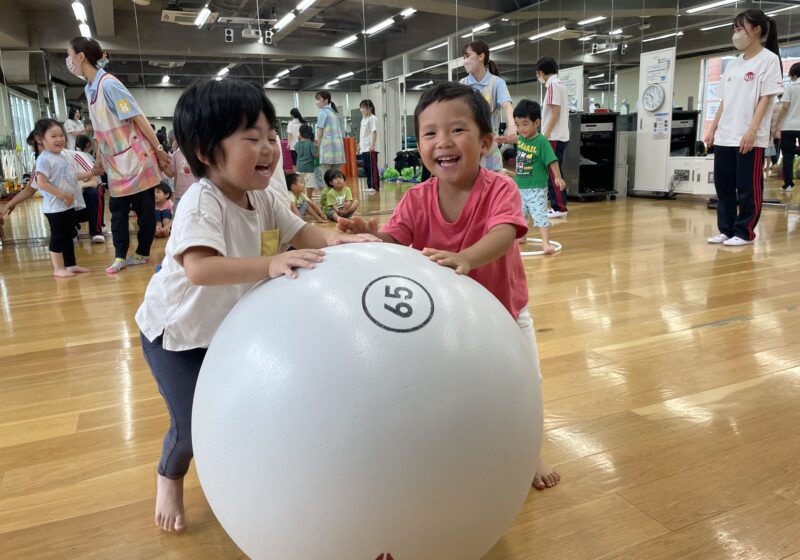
(330, 175)
(454, 91)
(547, 65)
(291, 179)
(164, 187)
(306, 132)
(527, 109)
(209, 111)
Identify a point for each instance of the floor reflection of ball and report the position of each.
(377, 405)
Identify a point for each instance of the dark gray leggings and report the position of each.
(176, 375)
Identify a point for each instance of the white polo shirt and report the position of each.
(743, 84)
(791, 95)
(556, 94)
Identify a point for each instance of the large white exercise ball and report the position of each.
(379, 404)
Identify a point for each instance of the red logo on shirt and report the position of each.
(749, 77)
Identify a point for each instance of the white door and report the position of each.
(394, 119)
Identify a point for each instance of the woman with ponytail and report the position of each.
(293, 131)
(741, 128)
(127, 149)
(485, 79)
(330, 134)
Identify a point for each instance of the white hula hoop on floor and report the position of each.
(555, 244)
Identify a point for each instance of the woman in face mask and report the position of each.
(485, 79)
(741, 128)
(787, 126)
(127, 149)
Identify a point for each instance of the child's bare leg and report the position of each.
(170, 515)
(59, 270)
(546, 247)
(545, 477)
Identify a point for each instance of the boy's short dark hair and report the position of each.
(330, 175)
(82, 142)
(209, 111)
(527, 109)
(547, 65)
(794, 71)
(451, 91)
(306, 132)
(291, 179)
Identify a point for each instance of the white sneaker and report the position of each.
(370, 191)
(555, 214)
(721, 238)
(787, 188)
(737, 241)
(98, 239)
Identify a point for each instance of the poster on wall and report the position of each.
(573, 81)
(661, 126)
(657, 72)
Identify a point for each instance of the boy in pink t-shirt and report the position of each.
(464, 217)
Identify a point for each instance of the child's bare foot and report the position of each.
(169, 505)
(545, 477)
(77, 268)
(63, 273)
(548, 249)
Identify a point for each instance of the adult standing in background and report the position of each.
(555, 126)
(788, 126)
(127, 149)
(484, 77)
(330, 134)
(368, 145)
(74, 127)
(293, 131)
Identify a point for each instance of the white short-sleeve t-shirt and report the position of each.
(368, 126)
(71, 125)
(556, 94)
(59, 168)
(791, 96)
(743, 84)
(186, 314)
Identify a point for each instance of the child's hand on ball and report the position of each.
(286, 263)
(455, 261)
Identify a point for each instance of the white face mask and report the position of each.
(541, 80)
(740, 40)
(73, 69)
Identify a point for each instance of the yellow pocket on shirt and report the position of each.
(270, 241)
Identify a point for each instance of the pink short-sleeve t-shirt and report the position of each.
(417, 221)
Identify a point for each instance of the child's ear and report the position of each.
(486, 143)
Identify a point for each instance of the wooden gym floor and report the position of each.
(671, 385)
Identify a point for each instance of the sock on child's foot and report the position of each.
(116, 266)
(136, 259)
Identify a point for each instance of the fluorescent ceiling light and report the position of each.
(667, 36)
(711, 6)
(343, 76)
(476, 29)
(332, 83)
(85, 31)
(273, 81)
(202, 17)
(596, 76)
(282, 73)
(710, 27)
(284, 21)
(378, 27)
(592, 20)
(165, 79)
(546, 33)
(304, 5)
(439, 46)
(80, 11)
(408, 12)
(346, 41)
(779, 10)
(426, 84)
(616, 32)
(606, 50)
(605, 84)
(588, 38)
(224, 72)
(503, 46)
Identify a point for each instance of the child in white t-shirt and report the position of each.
(741, 128)
(227, 236)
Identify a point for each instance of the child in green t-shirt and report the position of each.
(535, 157)
(306, 152)
(299, 200)
(336, 199)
